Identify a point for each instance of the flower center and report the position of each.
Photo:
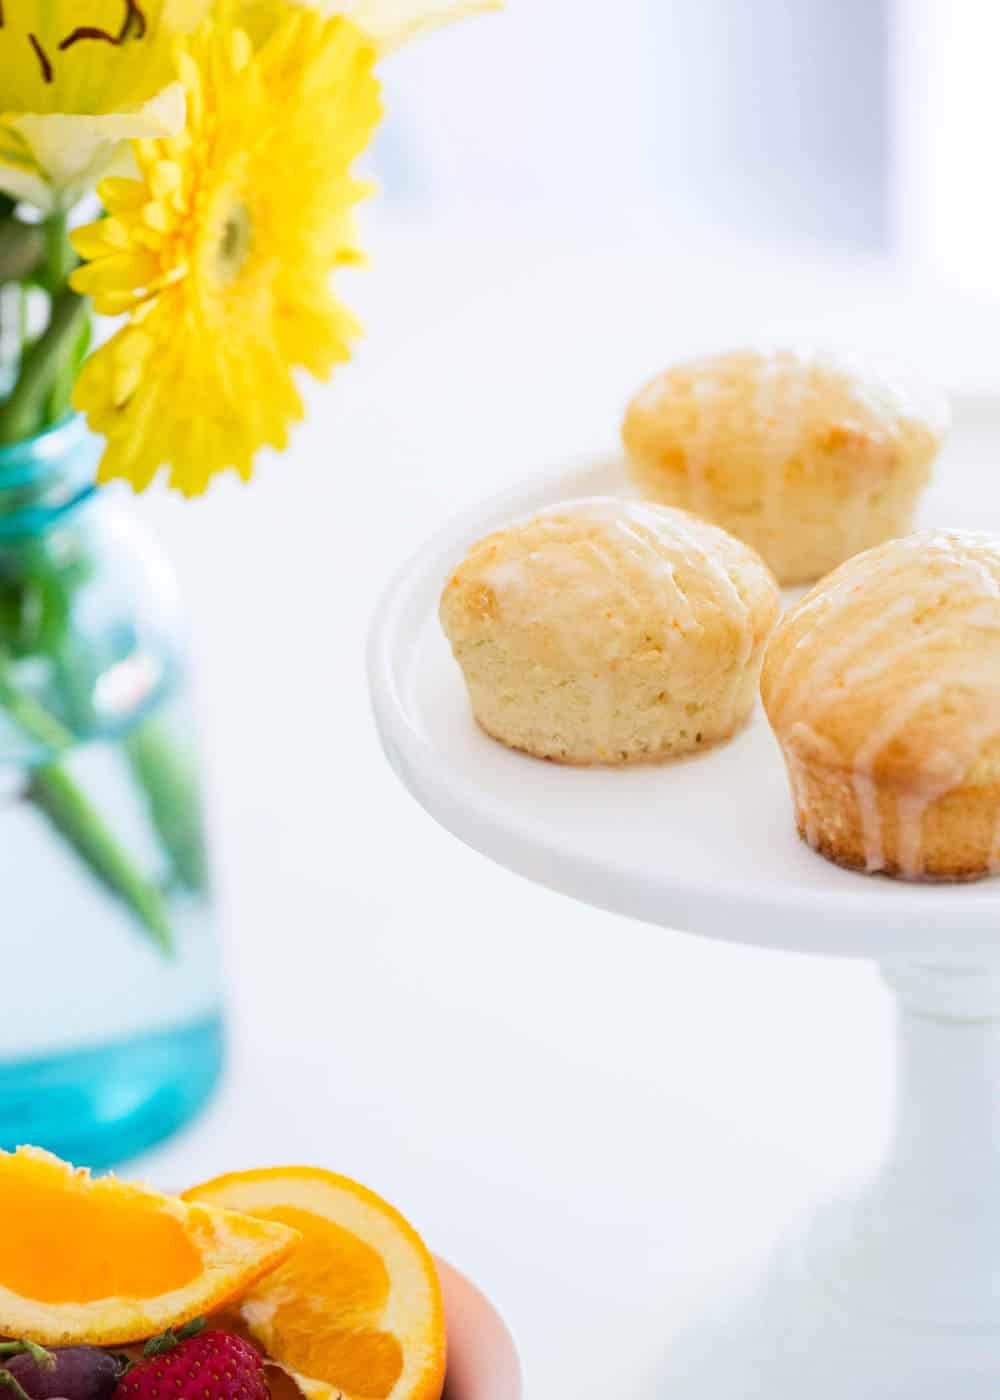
(235, 241)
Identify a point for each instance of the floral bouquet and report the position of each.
(185, 167)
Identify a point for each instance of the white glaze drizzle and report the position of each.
(779, 406)
(960, 578)
(727, 594)
(556, 586)
(783, 389)
(650, 535)
(698, 450)
(863, 778)
(832, 599)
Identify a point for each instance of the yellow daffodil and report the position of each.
(81, 78)
(221, 253)
(389, 23)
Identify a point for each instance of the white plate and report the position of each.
(706, 844)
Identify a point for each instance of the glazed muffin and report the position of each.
(610, 631)
(806, 458)
(883, 688)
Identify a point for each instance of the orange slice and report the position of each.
(108, 1263)
(356, 1312)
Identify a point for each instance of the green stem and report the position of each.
(33, 719)
(170, 787)
(23, 413)
(61, 393)
(56, 794)
(59, 256)
(44, 383)
(162, 770)
(41, 1356)
(11, 1383)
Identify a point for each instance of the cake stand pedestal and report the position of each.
(891, 1292)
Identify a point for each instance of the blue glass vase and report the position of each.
(111, 1034)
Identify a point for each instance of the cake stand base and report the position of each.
(785, 1338)
(892, 1293)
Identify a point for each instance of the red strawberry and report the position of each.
(209, 1366)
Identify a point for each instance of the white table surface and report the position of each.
(597, 1120)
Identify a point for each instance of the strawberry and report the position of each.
(193, 1365)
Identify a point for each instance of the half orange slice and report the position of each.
(356, 1311)
(104, 1262)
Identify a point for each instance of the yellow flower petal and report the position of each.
(98, 239)
(26, 186)
(71, 152)
(81, 78)
(156, 217)
(121, 195)
(230, 285)
(136, 273)
(165, 178)
(185, 15)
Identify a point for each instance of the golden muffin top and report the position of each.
(751, 409)
(890, 667)
(603, 578)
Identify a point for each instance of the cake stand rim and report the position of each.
(887, 920)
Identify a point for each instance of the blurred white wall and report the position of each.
(767, 119)
(946, 189)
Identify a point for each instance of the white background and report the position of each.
(598, 1121)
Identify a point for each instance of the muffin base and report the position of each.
(552, 751)
(878, 829)
(606, 719)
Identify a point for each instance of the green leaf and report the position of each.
(166, 1341)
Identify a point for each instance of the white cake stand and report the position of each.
(893, 1290)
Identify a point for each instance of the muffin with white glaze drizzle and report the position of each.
(610, 631)
(805, 457)
(883, 688)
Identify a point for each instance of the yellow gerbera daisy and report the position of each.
(81, 78)
(389, 23)
(222, 253)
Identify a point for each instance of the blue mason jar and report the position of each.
(111, 1034)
